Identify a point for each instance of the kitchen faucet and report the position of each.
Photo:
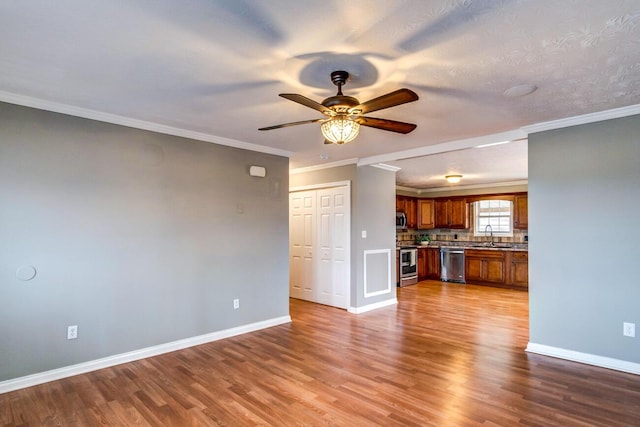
(491, 231)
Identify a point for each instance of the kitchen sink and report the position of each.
(495, 245)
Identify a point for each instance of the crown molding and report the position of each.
(616, 113)
(324, 166)
(473, 186)
(85, 113)
(386, 167)
(461, 144)
(462, 187)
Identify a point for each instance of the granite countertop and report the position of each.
(515, 247)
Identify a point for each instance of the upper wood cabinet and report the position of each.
(409, 206)
(521, 212)
(451, 213)
(426, 214)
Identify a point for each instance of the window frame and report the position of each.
(479, 230)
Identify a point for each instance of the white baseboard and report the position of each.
(589, 359)
(365, 308)
(94, 365)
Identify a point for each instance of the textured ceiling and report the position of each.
(216, 67)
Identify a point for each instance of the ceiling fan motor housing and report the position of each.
(340, 103)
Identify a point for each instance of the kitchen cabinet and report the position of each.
(433, 263)
(519, 270)
(397, 267)
(422, 264)
(451, 213)
(505, 269)
(428, 263)
(409, 206)
(426, 214)
(485, 267)
(520, 212)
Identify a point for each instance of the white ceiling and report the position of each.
(213, 69)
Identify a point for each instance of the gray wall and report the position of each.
(584, 208)
(376, 202)
(372, 209)
(138, 238)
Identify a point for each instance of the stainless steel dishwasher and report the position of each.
(452, 265)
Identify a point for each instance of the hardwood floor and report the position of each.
(446, 355)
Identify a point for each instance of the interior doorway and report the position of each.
(319, 244)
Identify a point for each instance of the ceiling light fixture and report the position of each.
(453, 179)
(340, 129)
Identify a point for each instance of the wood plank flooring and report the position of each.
(446, 355)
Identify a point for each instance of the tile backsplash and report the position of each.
(466, 235)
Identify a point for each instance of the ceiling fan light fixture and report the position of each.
(453, 179)
(340, 129)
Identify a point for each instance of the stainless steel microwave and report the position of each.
(401, 221)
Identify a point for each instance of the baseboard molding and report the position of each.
(589, 359)
(106, 362)
(369, 307)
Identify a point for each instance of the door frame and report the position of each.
(326, 185)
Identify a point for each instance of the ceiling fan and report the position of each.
(344, 114)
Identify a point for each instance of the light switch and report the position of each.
(364, 234)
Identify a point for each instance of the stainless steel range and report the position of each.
(408, 266)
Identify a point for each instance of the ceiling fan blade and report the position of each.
(285, 125)
(384, 124)
(307, 102)
(398, 97)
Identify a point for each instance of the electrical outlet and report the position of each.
(629, 329)
(72, 332)
(236, 304)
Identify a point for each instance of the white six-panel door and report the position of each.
(302, 235)
(320, 225)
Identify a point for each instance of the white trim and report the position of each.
(463, 187)
(106, 362)
(475, 186)
(328, 185)
(589, 359)
(368, 294)
(322, 185)
(100, 116)
(583, 119)
(324, 166)
(386, 167)
(374, 306)
(461, 144)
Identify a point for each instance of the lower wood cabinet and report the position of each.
(484, 267)
(433, 263)
(428, 263)
(397, 267)
(422, 263)
(519, 269)
(497, 268)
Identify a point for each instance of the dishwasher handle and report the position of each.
(452, 251)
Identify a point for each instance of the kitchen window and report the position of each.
(498, 214)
